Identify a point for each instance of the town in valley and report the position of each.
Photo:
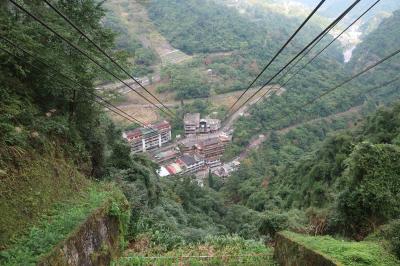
(197, 153)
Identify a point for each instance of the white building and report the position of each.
(149, 138)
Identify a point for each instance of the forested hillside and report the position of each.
(234, 46)
(329, 168)
(319, 76)
(377, 43)
(209, 26)
(48, 126)
(333, 7)
(141, 57)
(344, 184)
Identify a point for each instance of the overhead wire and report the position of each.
(339, 18)
(279, 52)
(98, 102)
(124, 114)
(316, 55)
(301, 107)
(353, 77)
(103, 52)
(332, 41)
(83, 53)
(383, 85)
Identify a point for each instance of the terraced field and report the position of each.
(134, 15)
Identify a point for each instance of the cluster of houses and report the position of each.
(201, 150)
(193, 156)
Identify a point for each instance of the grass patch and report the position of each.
(61, 220)
(347, 252)
(32, 185)
(216, 250)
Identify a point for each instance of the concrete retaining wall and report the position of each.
(94, 242)
(291, 253)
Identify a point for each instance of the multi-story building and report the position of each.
(191, 164)
(194, 125)
(209, 125)
(214, 162)
(210, 148)
(191, 123)
(148, 138)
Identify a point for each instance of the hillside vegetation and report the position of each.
(347, 252)
(233, 46)
(217, 250)
(321, 170)
(378, 43)
(56, 142)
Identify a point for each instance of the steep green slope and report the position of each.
(203, 26)
(234, 45)
(63, 220)
(209, 26)
(55, 141)
(322, 75)
(377, 44)
(360, 165)
(128, 40)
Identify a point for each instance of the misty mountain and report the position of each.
(332, 8)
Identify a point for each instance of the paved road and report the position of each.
(123, 89)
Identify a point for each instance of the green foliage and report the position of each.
(346, 252)
(38, 101)
(372, 191)
(272, 223)
(393, 235)
(353, 175)
(213, 27)
(59, 223)
(142, 58)
(218, 250)
(185, 82)
(380, 42)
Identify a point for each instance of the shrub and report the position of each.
(272, 222)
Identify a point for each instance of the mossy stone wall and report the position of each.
(288, 252)
(94, 242)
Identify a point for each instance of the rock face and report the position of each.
(290, 253)
(95, 242)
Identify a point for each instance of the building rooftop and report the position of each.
(188, 160)
(163, 172)
(138, 132)
(165, 154)
(132, 133)
(173, 168)
(191, 118)
(212, 121)
(161, 125)
(208, 142)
